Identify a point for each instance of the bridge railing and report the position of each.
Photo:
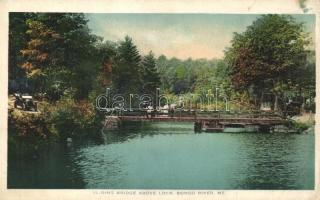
(178, 113)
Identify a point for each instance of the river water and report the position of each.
(171, 156)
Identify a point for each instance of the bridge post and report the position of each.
(111, 122)
(264, 128)
(198, 126)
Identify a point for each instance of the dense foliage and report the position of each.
(271, 56)
(55, 56)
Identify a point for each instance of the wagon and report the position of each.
(25, 102)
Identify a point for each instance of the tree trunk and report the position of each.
(276, 104)
(302, 110)
(261, 100)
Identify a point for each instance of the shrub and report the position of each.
(72, 119)
(299, 126)
(27, 132)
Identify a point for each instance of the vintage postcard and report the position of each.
(159, 100)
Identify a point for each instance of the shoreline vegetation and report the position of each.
(55, 58)
(30, 132)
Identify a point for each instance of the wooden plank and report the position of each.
(258, 121)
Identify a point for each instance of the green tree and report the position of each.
(161, 65)
(17, 41)
(151, 78)
(184, 76)
(268, 55)
(58, 47)
(127, 72)
(106, 52)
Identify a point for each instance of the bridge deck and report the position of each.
(231, 120)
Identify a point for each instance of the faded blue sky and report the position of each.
(178, 35)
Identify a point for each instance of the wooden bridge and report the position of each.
(215, 121)
(237, 120)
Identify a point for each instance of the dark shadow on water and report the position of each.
(54, 166)
(52, 169)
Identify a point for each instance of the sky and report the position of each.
(178, 35)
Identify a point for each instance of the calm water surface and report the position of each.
(172, 156)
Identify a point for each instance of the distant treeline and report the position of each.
(56, 55)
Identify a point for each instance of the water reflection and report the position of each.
(171, 156)
(52, 168)
(132, 130)
(277, 161)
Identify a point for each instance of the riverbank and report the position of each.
(64, 119)
(304, 123)
(29, 131)
(306, 118)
